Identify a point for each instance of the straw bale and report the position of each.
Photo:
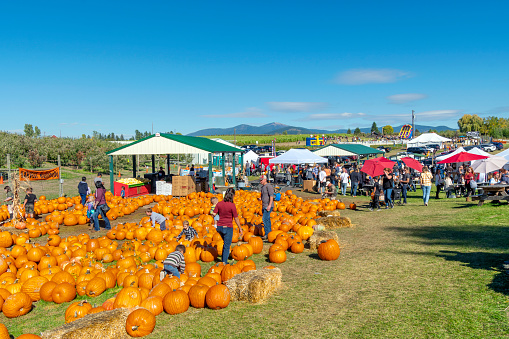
(334, 213)
(334, 222)
(320, 236)
(254, 286)
(103, 325)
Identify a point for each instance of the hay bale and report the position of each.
(103, 325)
(334, 222)
(318, 237)
(254, 286)
(334, 213)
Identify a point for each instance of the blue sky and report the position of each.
(74, 67)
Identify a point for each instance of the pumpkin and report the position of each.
(63, 292)
(239, 252)
(229, 271)
(4, 333)
(353, 206)
(94, 310)
(95, 287)
(277, 257)
(197, 295)
(328, 250)
(218, 297)
(176, 302)
(33, 286)
(28, 336)
(305, 232)
(62, 277)
(77, 310)
(256, 243)
(140, 323)
(341, 206)
(193, 269)
(154, 304)
(46, 290)
(5, 239)
(128, 297)
(297, 247)
(160, 290)
(16, 305)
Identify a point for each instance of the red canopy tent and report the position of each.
(462, 157)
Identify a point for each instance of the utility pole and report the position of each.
(235, 136)
(152, 127)
(413, 124)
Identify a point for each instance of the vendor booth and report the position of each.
(347, 150)
(298, 157)
(160, 143)
(427, 139)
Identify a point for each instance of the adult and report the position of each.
(439, 183)
(227, 212)
(82, 190)
(99, 205)
(344, 177)
(470, 184)
(504, 176)
(267, 197)
(405, 181)
(29, 203)
(355, 179)
(248, 168)
(330, 191)
(191, 171)
(99, 178)
(161, 174)
(9, 200)
(322, 179)
(387, 185)
(426, 178)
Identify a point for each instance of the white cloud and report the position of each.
(68, 123)
(331, 116)
(251, 112)
(404, 98)
(372, 76)
(292, 107)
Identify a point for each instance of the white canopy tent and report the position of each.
(504, 154)
(251, 156)
(426, 139)
(297, 157)
(479, 151)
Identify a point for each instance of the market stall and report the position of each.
(133, 187)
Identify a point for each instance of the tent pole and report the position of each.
(224, 172)
(210, 172)
(241, 162)
(234, 180)
(168, 163)
(134, 166)
(153, 163)
(112, 187)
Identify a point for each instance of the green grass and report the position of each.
(411, 271)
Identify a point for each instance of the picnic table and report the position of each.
(492, 192)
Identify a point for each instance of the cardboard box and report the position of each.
(308, 185)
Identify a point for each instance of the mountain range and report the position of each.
(278, 128)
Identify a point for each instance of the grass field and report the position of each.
(411, 271)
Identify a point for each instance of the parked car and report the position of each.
(488, 147)
(384, 148)
(418, 150)
(433, 146)
(498, 145)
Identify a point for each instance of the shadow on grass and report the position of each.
(314, 256)
(483, 261)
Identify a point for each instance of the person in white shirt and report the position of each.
(322, 178)
(344, 176)
(448, 186)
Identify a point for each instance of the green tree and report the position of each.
(29, 130)
(349, 131)
(285, 132)
(37, 131)
(357, 131)
(374, 128)
(388, 130)
(470, 123)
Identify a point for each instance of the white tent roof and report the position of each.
(224, 142)
(297, 157)
(427, 138)
(479, 151)
(442, 157)
(251, 156)
(504, 154)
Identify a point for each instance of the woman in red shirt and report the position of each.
(469, 176)
(227, 212)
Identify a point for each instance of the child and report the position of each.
(214, 202)
(90, 210)
(29, 203)
(174, 263)
(156, 217)
(188, 231)
(376, 195)
(122, 193)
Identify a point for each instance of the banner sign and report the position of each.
(31, 175)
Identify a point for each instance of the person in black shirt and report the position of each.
(29, 203)
(355, 178)
(405, 180)
(377, 189)
(388, 184)
(161, 174)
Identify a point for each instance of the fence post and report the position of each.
(9, 168)
(60, 185)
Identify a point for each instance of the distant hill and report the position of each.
(278, 128)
